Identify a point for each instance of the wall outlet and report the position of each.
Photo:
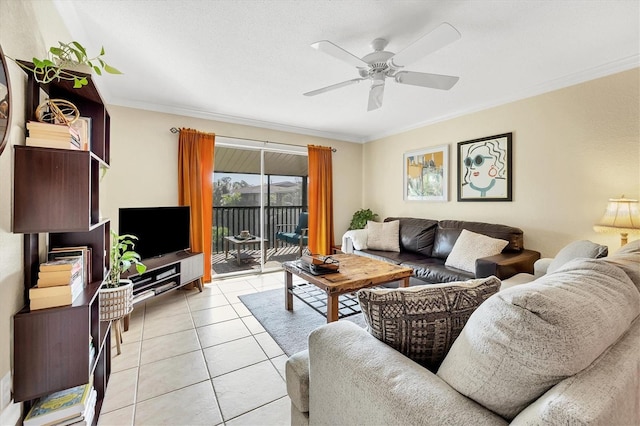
(5, 391)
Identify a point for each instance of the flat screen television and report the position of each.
(160, 230)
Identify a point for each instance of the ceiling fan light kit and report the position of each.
(380, 64)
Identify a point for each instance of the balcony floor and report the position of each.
(220, 265)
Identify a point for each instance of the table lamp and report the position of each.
(622, 215)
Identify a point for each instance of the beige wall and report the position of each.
(572, 150)
(26, 29)
(144, 158)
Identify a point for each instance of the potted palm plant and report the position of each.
(116, 295)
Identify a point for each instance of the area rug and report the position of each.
(290, 329)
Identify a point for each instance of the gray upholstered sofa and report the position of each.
(425, 244)
(563, 349)
(574, 250)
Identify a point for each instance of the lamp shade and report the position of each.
(622, 215)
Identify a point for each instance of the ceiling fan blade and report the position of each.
(433, 81)
(339, 53)
(375, 95)
(428, 43)
(334, 86)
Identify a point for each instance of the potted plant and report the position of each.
(116, 295)
(63, 58)
(360, 218)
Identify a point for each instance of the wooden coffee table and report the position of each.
(356, 272)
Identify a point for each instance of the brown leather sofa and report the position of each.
(425, 245)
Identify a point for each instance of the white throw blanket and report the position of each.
(355, 239)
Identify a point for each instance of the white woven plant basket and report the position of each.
(117, 302)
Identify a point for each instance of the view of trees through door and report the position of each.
(261, 192)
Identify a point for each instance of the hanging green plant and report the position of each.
(62, 60)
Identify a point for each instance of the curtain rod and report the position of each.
(176, 130)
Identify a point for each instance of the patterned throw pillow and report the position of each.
(383, 235)
(471, 246)
(422, 322)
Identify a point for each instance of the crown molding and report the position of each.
(236, 120)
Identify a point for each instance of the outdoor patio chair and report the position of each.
(298, 236)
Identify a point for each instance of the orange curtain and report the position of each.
(320, 200)
(195, 188)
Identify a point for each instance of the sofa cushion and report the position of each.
(444, 241)
(416, 235)
(515, 236)
(629, 263)
(627, 258)
(434, 271)
(383, 235)
(525, 339)
(631, 247)
(470, 246)
(575, 250)
(391, 256)
(422, 322)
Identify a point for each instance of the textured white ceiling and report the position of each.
(249, 62)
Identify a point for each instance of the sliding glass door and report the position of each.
(258, 191)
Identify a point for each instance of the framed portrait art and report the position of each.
(426, 174)
(484, 169)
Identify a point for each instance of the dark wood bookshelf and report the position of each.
(56, 192)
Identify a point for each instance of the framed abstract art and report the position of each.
(426, 174)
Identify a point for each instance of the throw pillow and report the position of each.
(576, 250)
(383, 235)
(470, 246)
(526, 339)
(422, 322)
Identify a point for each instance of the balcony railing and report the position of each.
(231, 220)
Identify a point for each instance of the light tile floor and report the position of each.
(192, 358)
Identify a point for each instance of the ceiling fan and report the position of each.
(379, 65)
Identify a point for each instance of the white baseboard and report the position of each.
(10, 416)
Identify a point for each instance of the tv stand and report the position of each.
(165, 273)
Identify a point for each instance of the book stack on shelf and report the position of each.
(60, 282)
(82, 252)
(75, 406)
(83, 126)
(50, 135)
